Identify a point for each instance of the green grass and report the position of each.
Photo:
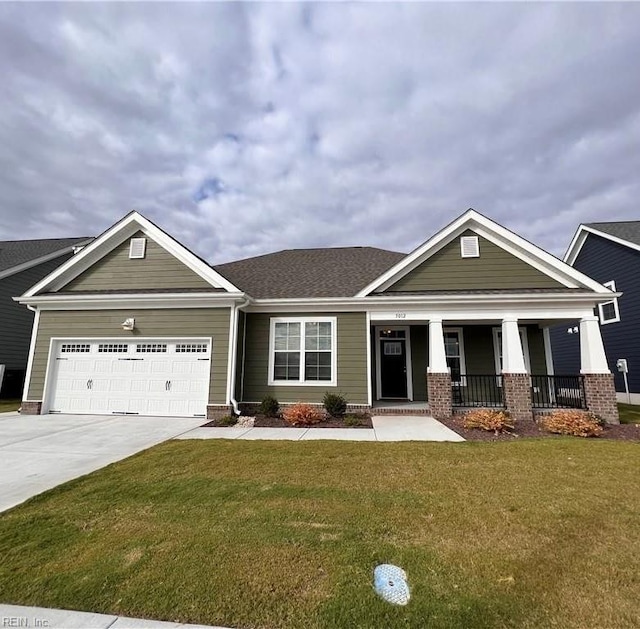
(629, 413)
(9, 405)
(531, 533)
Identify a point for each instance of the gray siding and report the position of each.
(419, 361)
(210, 322)
(17, 320)
(351, 360)
(494, 269)
(158, 269)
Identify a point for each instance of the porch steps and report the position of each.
(422, 410)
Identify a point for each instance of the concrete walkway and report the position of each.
(19, 616)
(385, 428)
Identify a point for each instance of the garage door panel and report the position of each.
(154, 377)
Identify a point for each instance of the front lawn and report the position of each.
(531, 533)
(629, 413)
(9, 405)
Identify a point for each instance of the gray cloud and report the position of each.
(247, 128)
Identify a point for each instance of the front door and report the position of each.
(393, 368)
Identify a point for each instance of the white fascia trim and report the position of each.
(141, 300)
(580, 237)
(114, 236)
(41, 260)
(518, 246)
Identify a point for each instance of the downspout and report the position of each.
(232, 388)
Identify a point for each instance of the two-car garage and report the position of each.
(145, 376)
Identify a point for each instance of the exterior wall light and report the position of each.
(128, 324)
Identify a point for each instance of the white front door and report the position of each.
(142, 377)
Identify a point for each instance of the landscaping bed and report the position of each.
(621, 432)
(263, 421)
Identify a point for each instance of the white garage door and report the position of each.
(142, 377)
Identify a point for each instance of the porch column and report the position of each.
(438, 376)
(599, 387)
(515, 379)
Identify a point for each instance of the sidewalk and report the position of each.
(28, 617)
(385, 428)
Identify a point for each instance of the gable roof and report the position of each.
(499, 235)
(625, 233)
(20, 255)
(114, 236)
(300, 273)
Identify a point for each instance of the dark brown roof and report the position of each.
(490, 291)
(16, 252)
(300, 273)
(625, 230)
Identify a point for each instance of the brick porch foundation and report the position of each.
(29, 407)
(517, 395)
(216, 411)
(439, 395)
(600, 395)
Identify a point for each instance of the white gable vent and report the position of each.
(469, 247)
(137, 248)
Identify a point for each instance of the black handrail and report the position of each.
(478, 391)
(558, 392)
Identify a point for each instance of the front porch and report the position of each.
(440, 367)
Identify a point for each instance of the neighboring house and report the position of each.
(137, 324)
(610, 253)
(22, 264)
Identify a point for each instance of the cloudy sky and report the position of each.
(248, 128)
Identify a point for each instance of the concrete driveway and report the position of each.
(39, 452)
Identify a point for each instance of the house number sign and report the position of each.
(401, 315)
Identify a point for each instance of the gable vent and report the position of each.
(137, 248)
(469, 247)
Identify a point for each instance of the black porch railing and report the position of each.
(558, 392)
(477, 391)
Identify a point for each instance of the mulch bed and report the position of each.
(262, 421)
(622, 432)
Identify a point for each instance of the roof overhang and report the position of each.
(500, 236)
(42, 259)
(129, 301)
(580, 237)
(114, 236)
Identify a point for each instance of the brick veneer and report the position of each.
(517, 395)
(439, 394)
(600, 394)
(251, 408)
(29, 407)
(216, 411)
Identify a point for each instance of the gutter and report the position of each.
(234, 345)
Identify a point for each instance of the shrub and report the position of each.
(269, 406)
(487, 419)
(302, 415)
(352, 420)
(334, 404)
(228, 420)
(576, 423)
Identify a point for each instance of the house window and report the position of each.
(454, 352)
(609, 312)
(497, 348)
(302, 351)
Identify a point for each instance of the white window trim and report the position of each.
(469, 241)
(463, 363)
(302, 382)
(611, 285)
(141, 242)
(407, 357)
(524, 340)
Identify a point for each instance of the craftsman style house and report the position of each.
(137, 324)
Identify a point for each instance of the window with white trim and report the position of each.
(302, 351)
(497, 348)
(609, 311)
(454, 353)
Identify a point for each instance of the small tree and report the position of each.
(334, 404)
(269, 406)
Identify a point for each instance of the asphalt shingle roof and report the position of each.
(625, 230)
(15, 252)
(299, 273)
